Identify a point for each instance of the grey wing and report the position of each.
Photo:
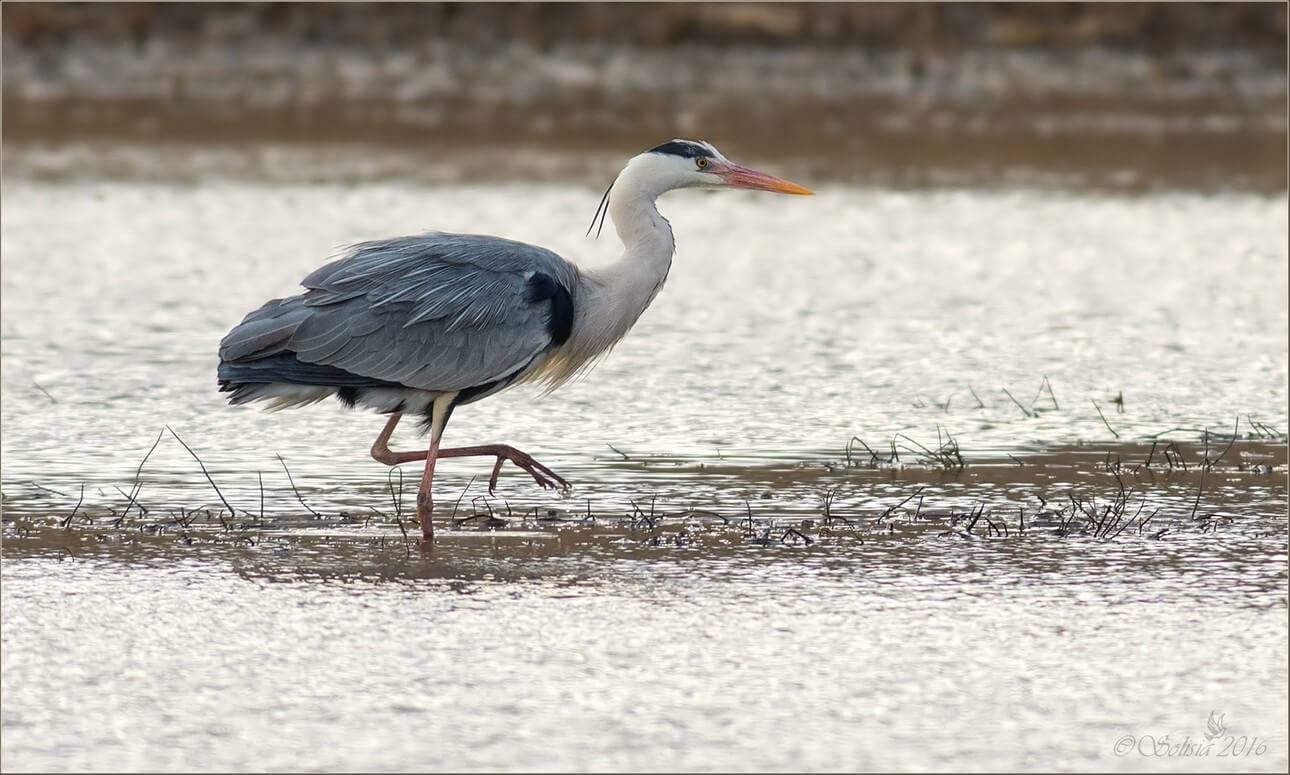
(435, 312)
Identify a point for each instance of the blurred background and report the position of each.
(1126, 96)
(1078, 206)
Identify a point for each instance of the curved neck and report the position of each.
(611, 297)
(646, 235)
(639, 272)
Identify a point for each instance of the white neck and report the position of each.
(611, 297)
(648, 245)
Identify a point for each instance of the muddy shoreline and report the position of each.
(1157, 489)
(894, 96)
(1114, 152)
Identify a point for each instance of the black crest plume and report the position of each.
(601, 211)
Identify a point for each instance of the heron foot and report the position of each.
(545, 477)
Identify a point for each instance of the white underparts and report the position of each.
(281, 395)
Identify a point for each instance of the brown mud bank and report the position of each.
(1223, 490)
(872, 142)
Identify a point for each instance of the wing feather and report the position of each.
(437, 312)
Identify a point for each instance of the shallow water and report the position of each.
(682, 626)
(501, 655)
(787, 324)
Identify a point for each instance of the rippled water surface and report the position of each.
(787, 324)
(508, 654)
(848, 497)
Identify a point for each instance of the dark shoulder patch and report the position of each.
(682, 148)
(542, 287)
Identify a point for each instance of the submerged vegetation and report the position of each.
(1147, 488)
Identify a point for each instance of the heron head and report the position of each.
(691, 164)
(686, 164)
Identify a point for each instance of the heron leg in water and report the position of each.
(425, 501)
(544, 476)
(439, 412)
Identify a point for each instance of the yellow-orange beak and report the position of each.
(742, 177)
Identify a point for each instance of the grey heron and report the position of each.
(424, 324)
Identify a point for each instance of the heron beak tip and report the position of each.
(742, 177)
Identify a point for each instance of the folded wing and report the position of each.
(435, 312)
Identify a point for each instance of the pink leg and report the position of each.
(503, 452)
(425, 501)
(425, 496)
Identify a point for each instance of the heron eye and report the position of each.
(701, 162)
